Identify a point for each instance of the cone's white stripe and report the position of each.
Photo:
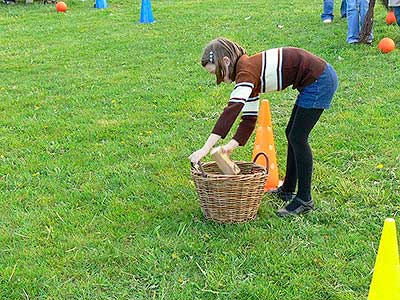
(251, 107)
(241, 92)
(248, 84)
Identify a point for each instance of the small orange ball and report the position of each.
(386, 45)
(61, 7)
(390, 18)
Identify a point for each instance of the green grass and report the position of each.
(98, 115)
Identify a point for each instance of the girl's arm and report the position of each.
(199, 154)
(211, 141)
(238, 98)
(228, 148)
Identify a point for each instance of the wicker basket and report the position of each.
(230, 198)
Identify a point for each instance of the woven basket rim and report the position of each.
(197, 172)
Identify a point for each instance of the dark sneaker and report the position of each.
(295, 207)
(283, 195)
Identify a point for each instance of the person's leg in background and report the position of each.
(327, 14)
(396, 10)
(353, 21)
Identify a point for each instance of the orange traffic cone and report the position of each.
(265, 143)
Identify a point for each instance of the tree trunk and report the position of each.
(368, 24)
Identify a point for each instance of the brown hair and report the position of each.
(215, 52)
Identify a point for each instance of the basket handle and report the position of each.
(266, 158)
(194, 166)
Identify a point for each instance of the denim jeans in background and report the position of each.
(356, 12)
(396, 11)
(328, 9)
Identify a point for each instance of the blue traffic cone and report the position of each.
(101, 4)
(146, 15)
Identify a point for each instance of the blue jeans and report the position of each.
(328, 9)
(396, 11)
(356, 12)
(319, 94)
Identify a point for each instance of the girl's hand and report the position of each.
(197, 155)
(228, 148)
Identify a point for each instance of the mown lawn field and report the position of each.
(98, 114)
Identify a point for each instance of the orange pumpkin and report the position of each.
(390, 18)
(61, 7)
(386, 45)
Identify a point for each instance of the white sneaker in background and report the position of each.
(327, 21)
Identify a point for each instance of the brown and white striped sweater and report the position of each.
(268, 71)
